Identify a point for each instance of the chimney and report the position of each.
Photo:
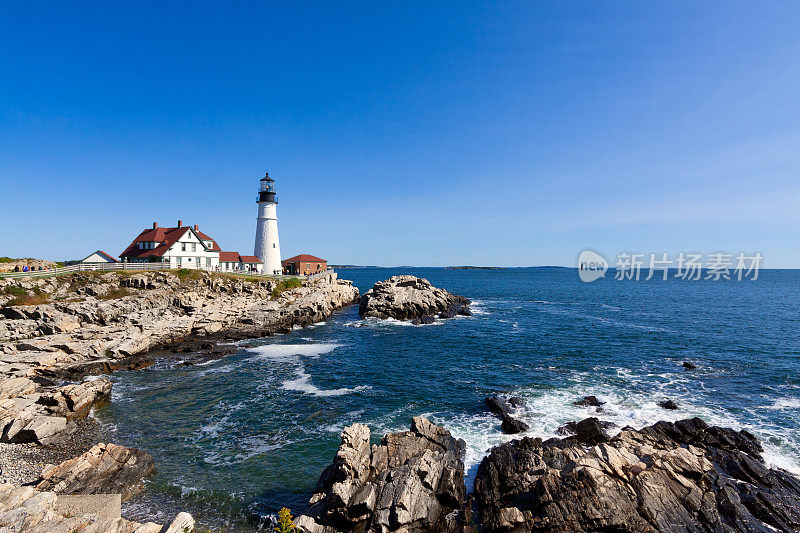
(196, 228)
(155, 225)
(180, 223)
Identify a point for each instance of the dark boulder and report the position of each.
(590, 431)
(668, 404)
(589, 401)
(688, 366)
(504, 410)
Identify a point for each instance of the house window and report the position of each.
(183, 247)
(194, 247)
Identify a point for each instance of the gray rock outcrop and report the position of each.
(413, 481)
(411, 298)
(47, 416)
(668, 477)
(25, 509)
(105, 469)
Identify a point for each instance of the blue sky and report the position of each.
(424, 133)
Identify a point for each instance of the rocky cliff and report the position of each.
(668, 477)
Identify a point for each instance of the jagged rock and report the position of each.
(411, 298)
(689, 366)
(516, 402)
(182, 523)
(411, 482)
(668, 404)
(589, 401)
(25, 509)
(503, 409)
(589, 431)
(668, 477)
(105, 468)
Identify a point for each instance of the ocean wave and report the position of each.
(785, 403)
(289, 352)
(302, 383)
(547, 410)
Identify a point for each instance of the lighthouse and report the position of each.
(267, 247)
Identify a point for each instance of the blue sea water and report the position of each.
(239, 438)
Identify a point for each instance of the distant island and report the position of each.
(468, 267)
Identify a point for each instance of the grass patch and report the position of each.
(115, 294)
(21, 296)
(286, 285)
(185, 274)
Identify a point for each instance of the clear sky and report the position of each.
(404, 133)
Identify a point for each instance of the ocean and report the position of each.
(236, 439)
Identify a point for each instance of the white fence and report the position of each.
(90, 267)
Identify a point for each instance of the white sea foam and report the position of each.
(547, 410)
(785, 403)
(303, 383)
(478, 308)
(289, 352)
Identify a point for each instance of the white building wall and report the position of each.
(188, 258)
(267, 247)
(96, 258)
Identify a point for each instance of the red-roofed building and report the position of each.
(181, 247)
(304, 264)
(234, 262)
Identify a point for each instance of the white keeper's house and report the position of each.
(181, 247)
(186, 247)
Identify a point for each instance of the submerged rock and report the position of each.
(668, 404)
(105, 469)
(413, 481)
(689, 366)
(589, 401)
(411, 298)
(503, 409)
(668, 477)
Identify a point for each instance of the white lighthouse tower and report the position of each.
(267, 248)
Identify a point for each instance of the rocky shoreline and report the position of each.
(670, 477)
(58, 474)
(76, 327)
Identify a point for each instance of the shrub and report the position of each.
(285, 523)
(115, 293)
(285, 285)
(22, 297)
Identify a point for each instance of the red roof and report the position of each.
(166, 237)
(236, 257)
(101, 252)
(229, 256)
(303, 258)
